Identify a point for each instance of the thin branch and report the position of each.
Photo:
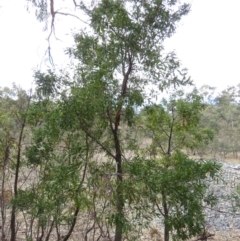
(100, 144)
(175, 147)
(96, 220)
(110, 120)
(164, 131)
(89, 230)
(50, 230)
(160, 145)
(73, 225)
(75, 3)
(171, 133)
(72, 15)
(125, 158)
(52, 31)
(17, 117)
(159, 209)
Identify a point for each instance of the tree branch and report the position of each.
(100, 144)
(159, 209)
(72, 15)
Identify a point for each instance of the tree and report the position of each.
(173, 127)
(174, 124)
(118, 56)
(63, 154)
(177, 190)
(221, 115)
(14, 106)
(121, 67)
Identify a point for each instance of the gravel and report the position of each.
(225, 216)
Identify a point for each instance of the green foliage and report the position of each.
(41, 11)
(174, 124)
(183, 186)
(14, 106)
(176, 181)
(222, 116)
(56, 196)
(85, 143)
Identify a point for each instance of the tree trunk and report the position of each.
(119, 204)
(165, 210)
(118, 157)
(20, 139)
(119, 190)
(3, 193)
(13, 215)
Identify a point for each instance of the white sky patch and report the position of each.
(20, 44)
(207, 42)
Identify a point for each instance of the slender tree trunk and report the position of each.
(119, 172)
(3, 193)
(119, 204)
(119, 191)
(165, 210)
(13, 215)
(79, 188)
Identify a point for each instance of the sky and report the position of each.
(207, 42)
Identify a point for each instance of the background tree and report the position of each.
(14, 106)
(222, 116)
(174, 124)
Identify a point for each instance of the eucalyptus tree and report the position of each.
(121, 66)
(118, 57)
(119, 54)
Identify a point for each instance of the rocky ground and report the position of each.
(224, 218)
